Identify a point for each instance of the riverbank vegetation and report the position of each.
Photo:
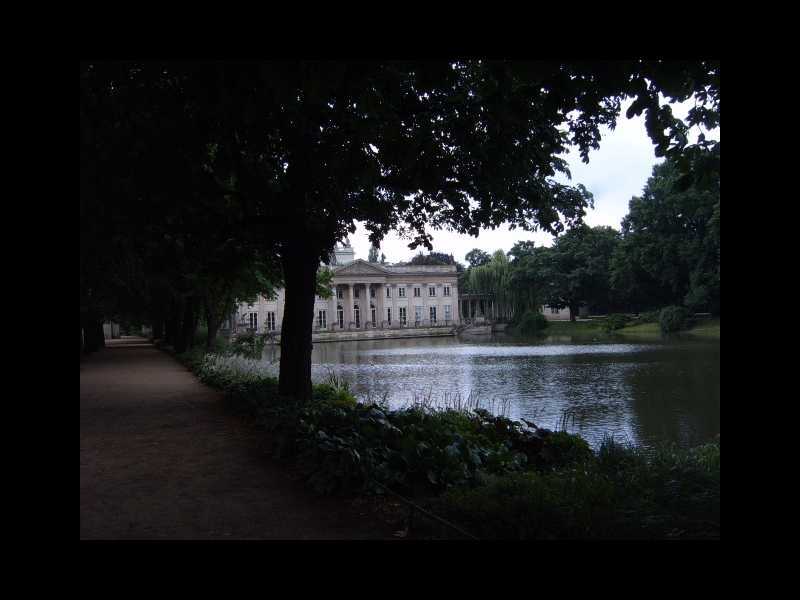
(664, 261)
(494, 477)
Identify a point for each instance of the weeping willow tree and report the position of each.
(516, 286)
(494, 278)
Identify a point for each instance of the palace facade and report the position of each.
(368, 296)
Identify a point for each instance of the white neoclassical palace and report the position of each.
(369, 296)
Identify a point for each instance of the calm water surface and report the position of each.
(645, 392)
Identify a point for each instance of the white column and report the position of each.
(332, 309)
(348, 304)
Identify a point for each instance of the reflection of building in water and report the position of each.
(368, 296)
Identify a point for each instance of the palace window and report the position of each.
(402, 315)
(356, 292)
(553, 311)
(418, 313)
(373, 314)
(322, 319)
(401, 292)
(432, 290)
(433, 315)
(388, 292)
(339, 294)
(271, 321)
(340, 316)
(416, 292)
(447, 312)
(357, 315)
(447, 290)
(389, 315)
(372, 292)
(254, 320)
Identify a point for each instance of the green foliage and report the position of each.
(478, 258)
(669, 252)
(573, 505)
(373, 254)
(615, 321)
(673, 318)
(493, 278)
(649, 316)
(434, 258)
(530, 322)
(579, 268)
(248, 345)
(619, 492)
(324, 283)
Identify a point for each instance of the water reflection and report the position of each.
(645, 392)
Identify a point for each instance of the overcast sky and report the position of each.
(615, 173)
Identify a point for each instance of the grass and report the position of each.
(641, 329)
(573, 328)
(706, 329)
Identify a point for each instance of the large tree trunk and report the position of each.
(300, 265)
(188, 327)
(158, 328)
(573, 312)
(213, 321)
(92, 332)
(172, 323)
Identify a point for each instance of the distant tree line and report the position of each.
(667, 253)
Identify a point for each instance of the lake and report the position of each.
(642, 391)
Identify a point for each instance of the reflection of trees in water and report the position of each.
(659, 394)
(675, 395)
(586, 393)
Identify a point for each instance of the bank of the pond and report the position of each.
(494, 477)
(707, 328)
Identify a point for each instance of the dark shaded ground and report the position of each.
(161, 459)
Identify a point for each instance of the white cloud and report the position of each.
(615, 173)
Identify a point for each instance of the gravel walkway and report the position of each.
(161, 459)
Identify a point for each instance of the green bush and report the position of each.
(615, 321)
(530, 322)
(577, 504)
(248, 345)
(619, 492)
(673, 318)
(649, 317)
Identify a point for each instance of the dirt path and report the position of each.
(160, 459)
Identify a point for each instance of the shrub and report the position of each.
(673, 318)
(615, 321)
(649, 316)
(530, 323)
(534, 506)
(248, 345)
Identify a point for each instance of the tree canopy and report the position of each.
(289, 154)
(477, 257)
(669, 253)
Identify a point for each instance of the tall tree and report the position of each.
(670, 239)
(477, 257)
(433, 258)
(373, 253)
(308, 147)
(579, 269)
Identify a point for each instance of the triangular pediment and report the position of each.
(360, 267)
